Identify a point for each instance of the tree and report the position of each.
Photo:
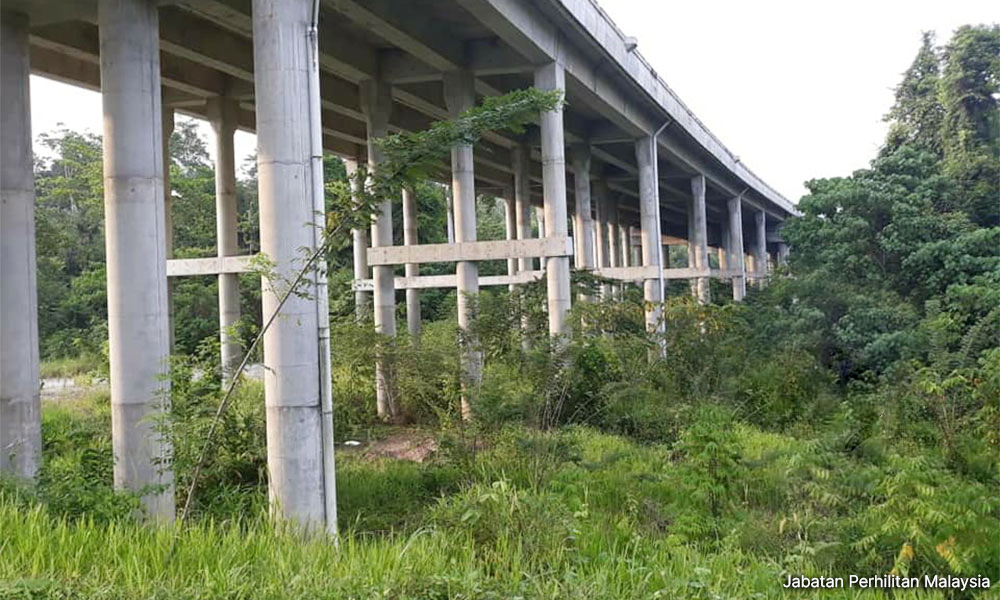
(917, 114)
(970, 93)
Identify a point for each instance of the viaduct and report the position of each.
(624, 166)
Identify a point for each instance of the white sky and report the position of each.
(797, 89)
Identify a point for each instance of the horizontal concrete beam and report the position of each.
(470, 251)
(215, 265)
(424, 282)
(651, 272)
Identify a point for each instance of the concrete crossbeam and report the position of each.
(427, 282)
(214, 265)
(548, 247)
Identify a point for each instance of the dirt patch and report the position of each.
(413, 446)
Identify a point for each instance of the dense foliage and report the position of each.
(844, 419)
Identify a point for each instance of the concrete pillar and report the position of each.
(782, 254)
(460, 96)
(135, 236)
(359, 237)
(735, 252)
(20, 408)
(449, 208)
(223, 114)
(291, 345)
(521, 154)
(583, 215)
(635, 245)
(649, 215)
(698, 238)
(412, 269)
(510, 229)
(625, 241)
(168, 212)
(760, 247)
(376, 103)
(540, 228)
(552, 77)
(601, 203)
(614, 244)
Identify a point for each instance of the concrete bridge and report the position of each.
(624, 166)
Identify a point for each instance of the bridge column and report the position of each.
(412, 269)
(760, 247)
(376, 103)
(635, 245)
(521, 154)
(540, 226)
(698, 238)
(735, 251)
(552, 77)
(649, 215)
(295, 455)
(169, 123)
(510, 229)
(20, 408)
(582, 215)
(614, 244)
(135, 236)
(359, 237)
(601, 230)
(460, 96)
(449, 209)
(782, 253)
(223, 114)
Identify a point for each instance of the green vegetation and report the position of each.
(843, 420)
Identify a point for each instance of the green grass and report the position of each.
(572, 513)
(69, 367)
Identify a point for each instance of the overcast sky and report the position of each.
(796, 89)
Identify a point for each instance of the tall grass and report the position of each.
(571, 513)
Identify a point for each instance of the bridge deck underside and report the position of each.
(207, 51)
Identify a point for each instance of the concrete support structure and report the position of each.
(412, 270)
(460, 96)
(376, 103)
(649, 216)
(782, 254)
(735, 252)
(698, 238)
(614, 244)
(168, 211)
(223, 114)
(521, 156)
(359, 236)
(601, 231)
(449, 209)
(760, 247)
(135, 235)
(635, 245)
(582, 214)
(551, 76)
(292, 377)
(510, 228)
(20, 408)
(540, 228)
(625, 241)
